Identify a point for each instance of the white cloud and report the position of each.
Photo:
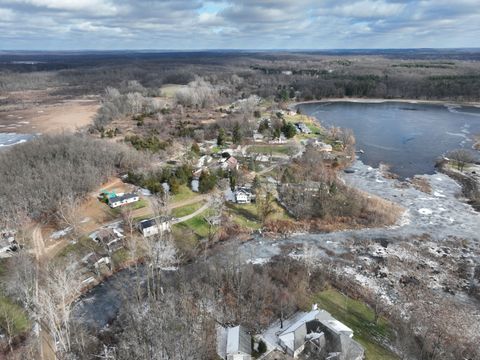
(99, 7)
(368, 9)
(238, 23)
(6, 14)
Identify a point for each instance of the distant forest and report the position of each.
(392, 74)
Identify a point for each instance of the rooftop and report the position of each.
(115, 199)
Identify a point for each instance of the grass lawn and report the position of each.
(184, 193)
(14, 316)
(359, 317)
(247, 215)
(187, 209)
(197, 224)
(271, 149)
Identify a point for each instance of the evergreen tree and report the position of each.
(195, 148)
(221, 137)
(237, 134)
(207, 182)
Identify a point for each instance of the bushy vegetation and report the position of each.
(151, 143)
(207, 181)
(37, 176)
(174, 177)
(311, 190)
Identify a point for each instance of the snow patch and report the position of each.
(425, 211)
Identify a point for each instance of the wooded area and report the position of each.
(282, 75)
(37, 176)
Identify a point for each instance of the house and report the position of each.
(230, 164)
(320, 145)
(234, 343)
(155, 226)
(303, 128)
(203, 161)
(96, 261)
(110, 239)
(243, 195)
(124, 199)
(316, 332)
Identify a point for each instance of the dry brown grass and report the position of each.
(283, 226)
(422, 184)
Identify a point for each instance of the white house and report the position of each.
(155, 226)
(234, 343)
(243, 195)
(124, 199)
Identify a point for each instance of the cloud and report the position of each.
(369, 9)
(184, 24)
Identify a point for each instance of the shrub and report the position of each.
(262, 347)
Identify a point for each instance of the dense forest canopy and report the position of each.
(38, 175)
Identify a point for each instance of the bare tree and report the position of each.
(461, 157)
(68, 214)
(54, 303)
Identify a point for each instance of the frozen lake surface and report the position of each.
(407, 136)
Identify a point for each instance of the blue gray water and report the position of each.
(9, 139)
(407, 136)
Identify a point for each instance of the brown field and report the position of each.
(65, 116)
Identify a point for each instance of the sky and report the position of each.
(237, 24)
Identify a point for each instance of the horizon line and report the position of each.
(237, 49)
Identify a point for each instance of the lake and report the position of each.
(407, 136)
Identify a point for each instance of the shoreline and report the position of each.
(292, 105)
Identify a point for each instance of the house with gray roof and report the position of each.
(124, 199)
(234, 343)
(316, 332)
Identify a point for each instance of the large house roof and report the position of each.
(238, 340)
